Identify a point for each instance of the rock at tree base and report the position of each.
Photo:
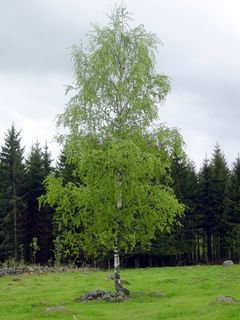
(225, 299)
(157, 294)
(107, 296)
(227, 263)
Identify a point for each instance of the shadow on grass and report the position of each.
(141, 296)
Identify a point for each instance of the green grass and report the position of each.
(179, 293)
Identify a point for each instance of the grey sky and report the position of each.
(201, 54)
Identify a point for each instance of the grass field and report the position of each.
(158, 293)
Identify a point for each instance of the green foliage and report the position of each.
(34, 248)
(21, 254)
(148, 205)
(122, 161)
(116, 87)
(58, 251)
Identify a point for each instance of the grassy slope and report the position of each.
(190, 293)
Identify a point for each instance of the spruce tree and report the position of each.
(12, 173)
(219, 183)
(185, 185)
(45, 221)
(65, 169)
(213, 183)
(206, 220)
(39, 220)
(233, 211)
(47, 161)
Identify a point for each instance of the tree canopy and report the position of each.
(122, 160)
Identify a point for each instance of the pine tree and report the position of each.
(219, 183)
(39, 220)
(64, 169)
(34, 188)
(213, 183)
(233, 211)
(12, 173)
(47, 161)
(185, 185)
(45, 223)
(206, 221)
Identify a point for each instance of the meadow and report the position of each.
(179, 293)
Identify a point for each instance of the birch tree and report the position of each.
(121, 159)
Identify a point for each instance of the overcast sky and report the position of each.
(201, 54)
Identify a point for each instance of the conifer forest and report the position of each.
(207, 232)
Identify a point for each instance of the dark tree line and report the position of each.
(208, 232)
(24, 227)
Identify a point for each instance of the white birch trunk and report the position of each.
(117, 278)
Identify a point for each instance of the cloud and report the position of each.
(200, 53)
